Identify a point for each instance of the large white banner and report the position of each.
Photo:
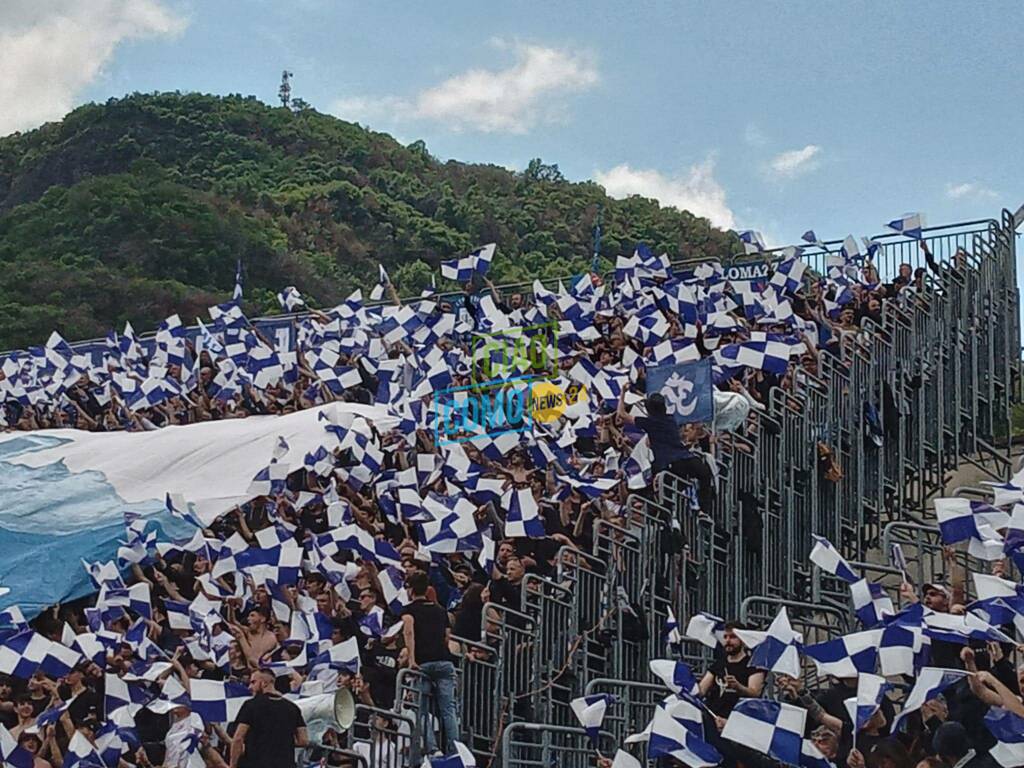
(64, 492)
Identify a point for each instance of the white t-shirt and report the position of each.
(177, 741)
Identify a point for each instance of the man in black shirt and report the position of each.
(730, 677)
(268, 729)
(426, 632)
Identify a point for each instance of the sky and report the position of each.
(779, 117)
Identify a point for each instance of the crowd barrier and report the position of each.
(937, 376)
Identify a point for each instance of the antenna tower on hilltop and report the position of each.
(284, 93)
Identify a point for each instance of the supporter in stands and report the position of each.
(427, 636)
(668, 448)
(730, 676)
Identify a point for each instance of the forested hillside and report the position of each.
(140, 207)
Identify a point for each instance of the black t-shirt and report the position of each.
(468, 622)
(270, 741)
(429, 622)
(664, 439)
(721, 699)
(380, 671)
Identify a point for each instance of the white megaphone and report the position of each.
(328, 711)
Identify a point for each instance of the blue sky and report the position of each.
(774, 116)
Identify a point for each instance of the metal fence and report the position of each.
(906, 401)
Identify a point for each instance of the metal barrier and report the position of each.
(533, 745)
(633, 707)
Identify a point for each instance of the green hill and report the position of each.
(140, 207)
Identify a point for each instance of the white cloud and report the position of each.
(51, 49)
(796, 162)
(968, 190)
(510, 100)
(754, 136)
(696, 191)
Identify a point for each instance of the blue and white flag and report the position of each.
(871, 603)
(670, 737)
(11, 754)
(961, 629)
(930, 683)
(236, 295)
(752, 241)
(477, 263)
(291, 300)
(1013, 543)
(383, 281)
(827, 557)
(909, 224)
(777, 649)
(687, 389)
(705, 629)
(218, 701)
(1008, 729)
(972, 521)
(811, 756)
(846, 656)
(769, 727)
(342, 657)
(676, 676)
(813, 239)
(671, 629)
(82, 754)
(25, 652)
(762, 354)
(523, 516)
(871, 689)
(590, 711)
(788, 275)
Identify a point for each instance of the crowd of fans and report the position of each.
(405, 538)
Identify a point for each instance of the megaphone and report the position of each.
(328, 711)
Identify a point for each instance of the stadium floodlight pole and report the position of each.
(597, 238)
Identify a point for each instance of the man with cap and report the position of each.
(939, 598)
(953, 747)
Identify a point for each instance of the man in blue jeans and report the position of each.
(426, 632)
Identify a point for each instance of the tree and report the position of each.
(538, 170)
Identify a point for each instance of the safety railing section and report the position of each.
(632, 707)
(853, 449)
(534, 745)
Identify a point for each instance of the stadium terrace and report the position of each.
(737, 549)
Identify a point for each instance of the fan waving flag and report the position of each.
(687, 389)
(827, 557)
